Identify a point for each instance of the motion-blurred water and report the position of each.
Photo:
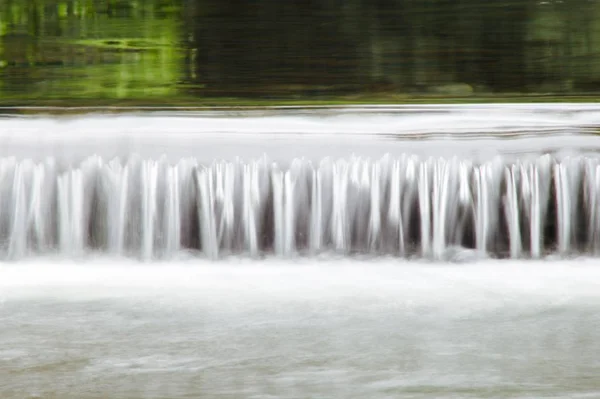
(300, 329)
(78, 324)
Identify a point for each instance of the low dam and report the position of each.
(316, 252)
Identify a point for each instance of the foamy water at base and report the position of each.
(299, 329)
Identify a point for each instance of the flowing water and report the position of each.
(299, 253)
(400, 206)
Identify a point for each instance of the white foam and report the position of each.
(242, 283)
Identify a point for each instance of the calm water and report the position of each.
(161, 50)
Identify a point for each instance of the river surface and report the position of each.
(326, 328)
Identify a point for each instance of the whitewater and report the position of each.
(412, 252)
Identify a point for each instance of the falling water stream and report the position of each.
(401, 205)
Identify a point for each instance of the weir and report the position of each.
(406, 206)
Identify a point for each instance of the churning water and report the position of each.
(301, 254)
(312, 329)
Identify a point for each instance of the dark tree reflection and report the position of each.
(399, 45)
(297, 48)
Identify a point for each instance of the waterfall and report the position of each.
(403, 206)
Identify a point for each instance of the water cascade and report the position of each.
(403, 206)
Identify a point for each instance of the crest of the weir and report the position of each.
(405, 206)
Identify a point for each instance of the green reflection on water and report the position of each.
(84, 49)
(272, 51)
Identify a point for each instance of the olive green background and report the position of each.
(241, 51)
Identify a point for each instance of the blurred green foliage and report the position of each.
(354, 50)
